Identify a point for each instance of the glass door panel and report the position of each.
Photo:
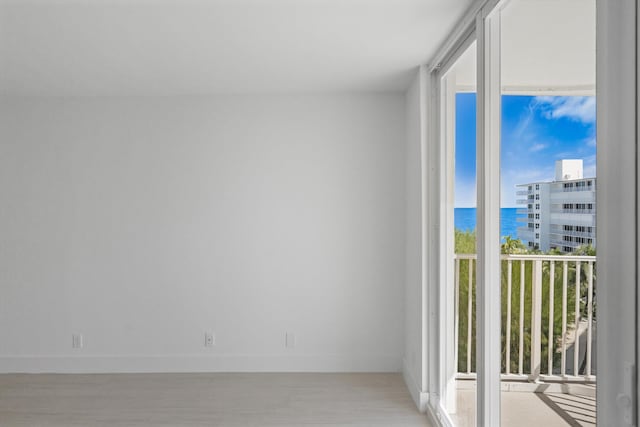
(548, 199)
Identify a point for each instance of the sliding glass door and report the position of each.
(530, 275)
(548, 212)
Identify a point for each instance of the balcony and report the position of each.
(581, 196)
(559, 232)
(548, 337)
(560, 188)
(572, 211)
(560, 243)
(526, 233)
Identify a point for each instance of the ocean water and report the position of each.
(465, 219)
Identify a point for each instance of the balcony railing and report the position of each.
(524, 219)
(559, 232)
(560, 188)
(548, 317)
(525, 232)
(560, 242)
(573, 211)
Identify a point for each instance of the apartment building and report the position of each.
(560, 214)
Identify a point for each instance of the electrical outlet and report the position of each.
(209, 339)
(290, 340)
(76, 341)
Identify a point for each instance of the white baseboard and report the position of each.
(420, 398)
(197, 363)
(439, 418)
(437, 415)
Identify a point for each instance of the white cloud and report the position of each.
(523, 127)
(537, 147)
(577, 108)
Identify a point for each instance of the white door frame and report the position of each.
(618, 103)
(617, 192)
(442, 367)
(447, 332)
(488, 304)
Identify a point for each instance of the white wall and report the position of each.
(413, 352)
(144, 222)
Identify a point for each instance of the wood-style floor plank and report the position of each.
(220, 399)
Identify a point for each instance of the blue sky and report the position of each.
(536, 131)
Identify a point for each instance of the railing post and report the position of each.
(456, 310)
(589, 320)
(536, 319)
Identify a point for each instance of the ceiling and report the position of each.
(176, 47)
(547, 47)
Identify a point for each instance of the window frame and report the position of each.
(618, 113)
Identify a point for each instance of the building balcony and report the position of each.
(560, 242)
(576, 406)
(573, 211)
(582, 196)
(559, 233)
(559, 187)
(576, 189)
(548, 338)
(526, 233)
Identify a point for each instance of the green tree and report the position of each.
(465, 241)
(513, 246)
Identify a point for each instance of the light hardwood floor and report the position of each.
(136, 400)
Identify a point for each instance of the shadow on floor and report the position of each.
(577, 411)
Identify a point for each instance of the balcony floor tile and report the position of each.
(523, 409)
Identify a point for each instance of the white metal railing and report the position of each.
(573, 277)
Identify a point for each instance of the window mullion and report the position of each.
(488, 222)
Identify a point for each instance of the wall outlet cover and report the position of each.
(290, 340)
(76, 341)
(209, 339)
